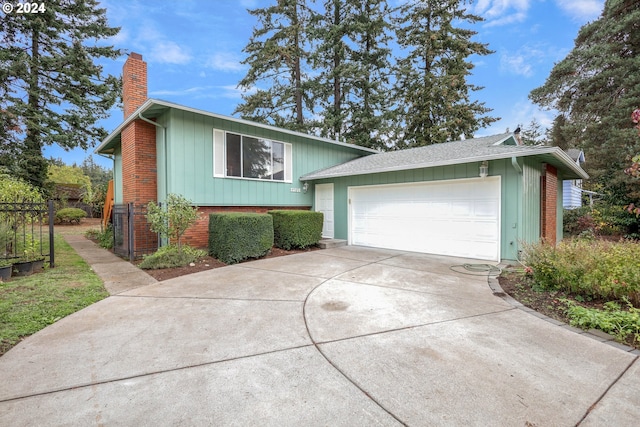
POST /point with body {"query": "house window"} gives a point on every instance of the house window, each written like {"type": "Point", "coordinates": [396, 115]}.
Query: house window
{"type": "Point", "coordinates": [255, 158]}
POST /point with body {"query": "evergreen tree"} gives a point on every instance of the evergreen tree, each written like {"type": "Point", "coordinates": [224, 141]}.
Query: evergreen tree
{"type": "Point", "coordinates": [98, 175]}
{"type": "Point", "coordinates": [353, 56]}
{"type": "Point", "coordinates": [330, 57]}
{"type": "Point", "coordinates": [54, 91]}
{"type": "Point", "coordinates": [431, 90]}
{"type": "Point", "coordinates": [594, 89]}
{"type": "Point", "coordinates": [278, 54]}
{"type": "Point", "coordinates": [369, 105]}
{"type": "Point", "coordinates": [532, 134]}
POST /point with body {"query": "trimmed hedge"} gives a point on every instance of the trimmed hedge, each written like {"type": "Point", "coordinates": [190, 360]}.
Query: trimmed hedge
{"type": "Point", "coordinates": [236, 236]}
{"type": "Point", "coordinates": [70, 215]}
{"type": "Point", "coordinates": [296, 229]}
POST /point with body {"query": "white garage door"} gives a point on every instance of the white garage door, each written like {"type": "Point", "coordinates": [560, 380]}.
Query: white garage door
{"type": "Point", "coordinates": [458, 217]}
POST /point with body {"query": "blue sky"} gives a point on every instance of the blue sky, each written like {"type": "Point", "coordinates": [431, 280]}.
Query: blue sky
{"type": "Point", "coordinates": [194, 48]}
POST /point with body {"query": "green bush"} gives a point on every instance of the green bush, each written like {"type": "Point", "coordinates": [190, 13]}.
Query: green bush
{"type": "Point", "coordinates": [591, 268]}
{"type": "Point", "coordinates": [234, 237]}
{"type": "Point", "coordinates": [70, 215]}
{"type": "Point", "coordinates": [576, 221]}
{"type": "Point", "coordinates": [296, 228]}
{"type": "Point", "coordinates": [104, 237]}
{"type": "Point", "coordinates": [172, 256]}
{"type": "Point", "coordinates": [601, 219]}
{"type": "Point", "coordinates": [613, 319]}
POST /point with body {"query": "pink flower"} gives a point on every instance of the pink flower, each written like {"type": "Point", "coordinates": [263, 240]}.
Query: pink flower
{"type": "Point", "coordinates": [635, 116]}
{"type": "Point", "coordinates": [528, 270]}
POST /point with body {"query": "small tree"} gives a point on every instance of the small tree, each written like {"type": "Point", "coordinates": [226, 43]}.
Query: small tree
{"type": "Point", "coordinates": [173, 221]}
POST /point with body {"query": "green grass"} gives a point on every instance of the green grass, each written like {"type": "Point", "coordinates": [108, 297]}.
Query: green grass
{"type": "Point", "coordinates": [28, 304]}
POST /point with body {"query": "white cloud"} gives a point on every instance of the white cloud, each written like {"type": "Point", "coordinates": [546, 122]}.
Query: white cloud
{"type": "Point", "coordinates": [516, 64]}
{"type": "Point", "coordinates": [225, 61]}
{"type": "Point", "coordinates": [521, 113]}
{"type": "Point", "coordinates": [198, 92]}
{"type": "Point", "coordinates": [502, 12]}
{"type": "Point", "coordinates": [168, 53]}
{"type": "Point", "coordinates": [525, 61]}
{"type": "Point", "coordinates": [581, 10]}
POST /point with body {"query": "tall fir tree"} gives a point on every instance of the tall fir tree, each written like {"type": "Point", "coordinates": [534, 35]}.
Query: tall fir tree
{"type": "Point", "coordinates": [330, 58]}
{"type": "Point", "coordinates": [595, 89]}
{"type": "Point", "coordinates": [431, 89]}
{"type": "Point", "coordinates": [533, 134]}
{"type": "Point", "coordinates": [353, 56]}
{"type": "Point", "coordinates": [278, 54]}
{"type": "Point", "coordinates": [54, 88]}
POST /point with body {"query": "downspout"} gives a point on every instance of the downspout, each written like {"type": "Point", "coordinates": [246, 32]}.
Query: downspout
{"type": "Point", "coordinates": [516, 165]}
{"type": "Point", "coordinates": [518, 168]}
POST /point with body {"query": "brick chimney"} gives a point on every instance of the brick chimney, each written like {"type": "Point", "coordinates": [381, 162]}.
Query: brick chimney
{"type": "Point", "coordinates": [138, 145]}
{"type": "Point", "coordinates": [134, 83]}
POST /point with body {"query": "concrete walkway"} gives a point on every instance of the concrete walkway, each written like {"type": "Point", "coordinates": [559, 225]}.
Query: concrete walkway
{"type": "Point", "coordinates": [346, 336]}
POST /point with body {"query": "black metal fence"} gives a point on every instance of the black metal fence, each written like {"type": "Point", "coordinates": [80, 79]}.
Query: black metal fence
{"type": "Point", "coordinates": [132, 237]}
{"type": "Point", "coordinates": [26, 231]}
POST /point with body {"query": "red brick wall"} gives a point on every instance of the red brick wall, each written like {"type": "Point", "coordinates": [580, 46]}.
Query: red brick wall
{"type": "Point", "coordinates": [134, 83]}
{"type": "Point", "coordinates": [198, 235]}
{"type": "Point", "coordinates": [548, 210]}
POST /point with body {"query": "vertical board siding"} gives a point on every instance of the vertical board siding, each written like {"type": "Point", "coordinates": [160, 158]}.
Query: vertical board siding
{"type": "Point", "coordinates": [190, 163]}
{"type": "Point", "coordinates": [532, 173]}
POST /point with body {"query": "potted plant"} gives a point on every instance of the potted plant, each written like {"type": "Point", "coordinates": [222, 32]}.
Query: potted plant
{"type": "Point", "coordinates": [5, 269]}
{"type": "Point", "coordinates": [23, 267]}
{"type": "Point", "coordinates": [30, 256]}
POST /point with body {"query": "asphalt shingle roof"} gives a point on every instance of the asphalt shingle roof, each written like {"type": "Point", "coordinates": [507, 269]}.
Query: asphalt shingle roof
{"type": "Point", "coordinates": [449, 153]}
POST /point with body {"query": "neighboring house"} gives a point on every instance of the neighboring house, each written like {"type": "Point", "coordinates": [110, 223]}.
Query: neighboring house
{"type": "Point", "coordinates": [429, 199]}
{"type": "Point", "coordinates": [572, 188]}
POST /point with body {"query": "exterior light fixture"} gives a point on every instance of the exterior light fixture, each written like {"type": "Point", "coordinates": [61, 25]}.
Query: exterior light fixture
{"type": "Point", "coordinates": [484, 169]}
{"type": "Point", "coordinates": [305, 187]}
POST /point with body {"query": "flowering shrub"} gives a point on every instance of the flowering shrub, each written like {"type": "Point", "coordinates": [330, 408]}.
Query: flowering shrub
{"type": "Point", "coordinates": [590, 268]}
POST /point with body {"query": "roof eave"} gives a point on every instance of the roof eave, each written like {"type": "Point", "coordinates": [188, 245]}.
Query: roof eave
{"type": "Point", "coordinates": [557, 152]}
{"type": "Point", "coordinates": [156, 102]}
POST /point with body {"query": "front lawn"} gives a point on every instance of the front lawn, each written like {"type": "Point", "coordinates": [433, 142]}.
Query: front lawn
{"type": "Point", "coordinates": [589, 284]}
{"type": "Point", "coordinates": [28, 304]}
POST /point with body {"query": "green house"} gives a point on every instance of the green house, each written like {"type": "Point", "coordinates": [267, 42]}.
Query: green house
{"type": "Point", "coordinates": [480, 198]}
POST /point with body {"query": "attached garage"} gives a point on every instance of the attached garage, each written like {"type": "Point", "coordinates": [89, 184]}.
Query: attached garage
{"type": "Point", "coordinates": [481, 198]}
{"type": "Point", "coordinates": [458, 217]}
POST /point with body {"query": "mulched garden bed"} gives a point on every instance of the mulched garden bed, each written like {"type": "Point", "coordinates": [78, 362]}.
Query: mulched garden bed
{"type": "Point", "coordinates": [549, 303]}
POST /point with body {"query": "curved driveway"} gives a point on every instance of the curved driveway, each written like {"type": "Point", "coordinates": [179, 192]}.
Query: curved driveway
{"type": "Point", "coordinates": [346, 336]}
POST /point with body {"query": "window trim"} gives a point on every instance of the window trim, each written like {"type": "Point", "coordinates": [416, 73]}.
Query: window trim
{"type": "Point", "coordinates": [220, 149]}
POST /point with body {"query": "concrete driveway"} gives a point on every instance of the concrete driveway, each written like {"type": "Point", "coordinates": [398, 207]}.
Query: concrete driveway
{"type": "Point", "coordinates": [346, 336]}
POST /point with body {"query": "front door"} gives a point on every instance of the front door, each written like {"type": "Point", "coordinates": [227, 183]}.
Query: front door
{"type": "Point", "coordinates": [324, 204]}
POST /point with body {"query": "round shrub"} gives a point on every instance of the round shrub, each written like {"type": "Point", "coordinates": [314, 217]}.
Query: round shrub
{"type": "Point", "coordinates": [70, 215]}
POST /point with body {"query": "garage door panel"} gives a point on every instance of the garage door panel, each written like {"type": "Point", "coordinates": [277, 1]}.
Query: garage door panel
{"type": "Point", "coordinates": [458, 218]}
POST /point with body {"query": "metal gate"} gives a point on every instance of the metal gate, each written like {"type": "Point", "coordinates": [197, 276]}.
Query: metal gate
{"type": "Point", "coordinates": [132, 237]}
{"type": "Point", "coordinates": [26, 230]}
